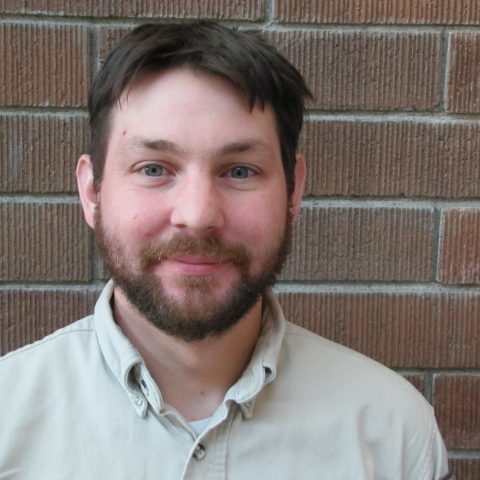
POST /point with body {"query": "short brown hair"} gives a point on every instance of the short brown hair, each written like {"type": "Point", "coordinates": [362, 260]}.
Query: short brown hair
{"type": "Point", "coordinates": [242, 57]}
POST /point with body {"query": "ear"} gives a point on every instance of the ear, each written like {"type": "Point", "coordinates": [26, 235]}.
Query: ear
{"type": "Point", "coordinates": [88, 196]}
{"type": "Point", "coordinates": [300, 176]}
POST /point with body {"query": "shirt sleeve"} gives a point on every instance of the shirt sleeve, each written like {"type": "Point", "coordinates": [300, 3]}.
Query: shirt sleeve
{"type": "Point", "coordinates": [439, 459]}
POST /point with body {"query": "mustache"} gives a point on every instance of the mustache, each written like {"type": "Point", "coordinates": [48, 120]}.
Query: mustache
{"type": "Point", "coordinates": [180, 245]}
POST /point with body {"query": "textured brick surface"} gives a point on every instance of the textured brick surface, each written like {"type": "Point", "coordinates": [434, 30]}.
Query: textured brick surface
{"type": "Point", "coordinates": [465, 468]}
{"type": "Point", "coordinates": [43, 65]}
{"type": "Point", "coordinates": [43, 242]}
{"type": "Point", "coordinates": [366, 70]}
{"type": "Point", "coordinates": [404, 330]}
{"type": "Point", "coordinates": [418, 381]}
{"type": "Point", "coordinates": [457, 409]}
{"type": "Point", "coordinates": [362, 244]}
{"type": "Point", "coordinates": [40, 153]}
{"type": "Point", "coordinates": [463, 75]}
{"type": "Point", "coordinates": [384, 158]}
{"type": "Point", "coordinates": [459, 257]}
{"type": "Point", "coordinates": [108, 37]}
{"type": "Point", "coordinates": [29, 315]}
{"type": "Point", "coordinates": [380, 11]}
{"type": "Point", "coordinates": [245, 9]}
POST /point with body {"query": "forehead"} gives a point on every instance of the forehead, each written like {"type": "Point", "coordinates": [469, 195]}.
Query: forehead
{"type": "Point", "coordinates": [190, 109]}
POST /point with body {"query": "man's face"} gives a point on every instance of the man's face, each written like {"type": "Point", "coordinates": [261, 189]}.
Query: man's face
{"type": "Point", "coordinates": [193, 218]}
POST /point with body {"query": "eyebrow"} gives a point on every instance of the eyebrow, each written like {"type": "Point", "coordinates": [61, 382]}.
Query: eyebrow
{"type": "Point", "coordinates": [159, 145]}
{"type": "Point", "coordinates": [240, 147]}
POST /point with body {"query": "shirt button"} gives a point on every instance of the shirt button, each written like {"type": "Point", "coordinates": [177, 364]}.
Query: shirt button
{"type": "Point", "coordinates": [144, 387]}
{"type": "Point", "coordinates": [138, 401]}
{"type": "Point", "coordinates": [199, 452]}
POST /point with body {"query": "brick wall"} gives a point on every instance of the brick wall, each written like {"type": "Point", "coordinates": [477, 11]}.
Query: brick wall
{"type": "Point", "coordinates": [387, 248]}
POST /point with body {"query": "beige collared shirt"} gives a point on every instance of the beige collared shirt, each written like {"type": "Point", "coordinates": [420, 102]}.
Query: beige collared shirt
{"type": "Point", "coordinates": [80, 404]}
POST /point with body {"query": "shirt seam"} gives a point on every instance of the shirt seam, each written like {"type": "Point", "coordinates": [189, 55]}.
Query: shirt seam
{"type": "Point", "coordinates": [42, 342]}
{"type": "Point", "coordinates": [430, 450]}
{"type": "Point", "coordinates": [343, 349]}
{"type": "Point", "coordinates": [347, 351]}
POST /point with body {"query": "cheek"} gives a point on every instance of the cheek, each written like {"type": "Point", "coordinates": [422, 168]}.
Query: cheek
{"type": "Point", "coordinates": [263, 222]}
{"type": "Point", "coordinates": [131, 220]}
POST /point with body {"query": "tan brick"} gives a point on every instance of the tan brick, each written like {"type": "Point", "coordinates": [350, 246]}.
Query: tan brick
{"type": "Point", "coordinates": [387, 158]}
{"type": "Point", "coordinates": [379, 11]}
{"type": "Point", "coordinates": [27, 315]}
{"type": "Point", "coordinates": [458, 410]}
{"type": "Point", "coordinates": [459, 246]}
{"type": "Point", "coordinates": [44, 242]}
{"type": "Point", "coordinates": [366, 70]}
{"type": "Point", "coordinates": [362, 244]}
{"type": "Point", "coordinates": [418, 381]}
{"type": "Point", "coordinates": [463, 75]}
{"type": "Point", "coordinates": [43, 65]}
{"type": "Point", "coordinates": [465, 468]}
{"type": "Point", "coordinates": [244, 10]}
{"type": "Point", "coordinates": [402, 330]}
{"type": "Point", "coordinates": [40, 153]}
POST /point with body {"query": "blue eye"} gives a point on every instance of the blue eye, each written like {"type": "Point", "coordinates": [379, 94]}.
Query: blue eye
{"type": "Point", "coordinates": [240, 172]}
{"type": "Point", "coordinates": [153, 170]}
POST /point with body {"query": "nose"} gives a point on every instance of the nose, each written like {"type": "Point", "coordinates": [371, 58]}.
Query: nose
{"type": "Point", "coordinates": [198, 206]}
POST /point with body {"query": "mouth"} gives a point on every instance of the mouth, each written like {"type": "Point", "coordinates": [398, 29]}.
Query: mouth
{"type": "Point", "coordinates": [194, 265]}
{"type": "Point", "coordinates": [197, 260]}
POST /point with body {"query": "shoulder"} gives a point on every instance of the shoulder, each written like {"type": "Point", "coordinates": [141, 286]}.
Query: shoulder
{"type": "Point", "coordinates": [344, 391]}
{"type": "Point", "coordinates": [351, 379]}
{"type": "Point", "coordinates": [63, 340]}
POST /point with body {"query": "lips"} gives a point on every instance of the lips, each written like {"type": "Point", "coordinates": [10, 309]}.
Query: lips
{"type": "Point", "coordinates": [193, 251]}
{"type": "Point", "coordinates": [196, 260]}
{"type": "Point", "coordinates": [193, 265]}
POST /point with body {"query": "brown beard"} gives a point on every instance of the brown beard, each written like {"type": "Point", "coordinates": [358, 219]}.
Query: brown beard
{"type": "Point", "coordinates": [207, 317]}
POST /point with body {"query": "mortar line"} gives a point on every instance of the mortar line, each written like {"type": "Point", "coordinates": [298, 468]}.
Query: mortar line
{"type": "Point", "coordinates": [444, 71]}
{"type": "Point", "coordinates": [389, 202]}
{"type": "Point", "coordinates": [270, 12]}
{"type": "Point", "coordinates": [436, 242]}
{"type": "Point", "coordinates": [365, 287]}
{"type": "Point", "coordinates": [391, 115]}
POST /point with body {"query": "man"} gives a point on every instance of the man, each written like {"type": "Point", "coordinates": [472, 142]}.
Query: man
{"type": "Point", "coordinates": [187, 369]}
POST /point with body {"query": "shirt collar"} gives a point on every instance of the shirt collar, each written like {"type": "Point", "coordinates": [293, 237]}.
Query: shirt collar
{"type": "Point", "coordinates": [120, 355]}
{"type": "Point", "coordinates": [262, 368]}
{"type": "Point", "coordinates": [126, 363]}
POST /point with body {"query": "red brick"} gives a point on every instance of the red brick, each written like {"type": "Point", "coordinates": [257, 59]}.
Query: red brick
{"type": "Point", "coordinates": [244, 10]}
{"type": "Point", "coordinates": [44, 65]}
{"type": "Point", "coordinates": [44, 242]}
{"type": "Point", "coordinates": [465, 468]}
{"type": "Point", "coordinates": [463, 75]}
{"type": "Point", "coordinates": [379, 11]}
{"type": "Point", "coordinates": [460, 246]}
{"type": "Point", "coordinates": [27, 315]}
{"type": "Point", "coordinates": [391, 158]}
{"type": "Point", "coordinates": [40, 153]}
{"type": "Point", "coordinates": [457, 409]}
{"type": "Point", "coordinates": [402, 330]}
{"type": "Point", "coordinates": [366, 70]}
{"type": "Point", "coordinates": [418, 381]}
{"type": "Point", "coordinates": [362, 244]}
{"type": "Point", "coordinates": [108, 38]}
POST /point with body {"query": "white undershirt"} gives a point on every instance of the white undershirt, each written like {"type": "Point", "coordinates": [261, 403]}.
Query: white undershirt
{"type": "Point", "coordinates": [200, 425]}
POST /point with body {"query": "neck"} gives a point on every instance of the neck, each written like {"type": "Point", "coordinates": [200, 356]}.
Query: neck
{"type": "Point", "coordinates": [192, 376]}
